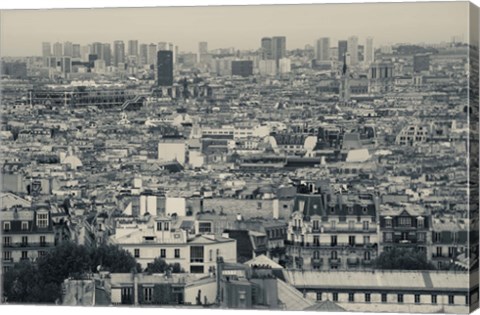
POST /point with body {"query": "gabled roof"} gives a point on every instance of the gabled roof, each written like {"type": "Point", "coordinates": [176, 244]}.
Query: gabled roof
{"type": "Point", "coordinates": [263, 260]}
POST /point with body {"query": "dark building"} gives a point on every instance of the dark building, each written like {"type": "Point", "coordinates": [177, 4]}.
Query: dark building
{"type": "Point", "coordinates": [266, 48]}
{"type": "Point", "coordinates": [279, 44]}
{"type": "Point", "coordinates": [164, 68]}
{"type": "Point", "coordinates": [342, 49]}
{"type": "Point", "coordinates": [242, 68]}
{"type": "Point", "coordinates": [421, 62]}
{"type": "Point", "coordinates": [15, 70]}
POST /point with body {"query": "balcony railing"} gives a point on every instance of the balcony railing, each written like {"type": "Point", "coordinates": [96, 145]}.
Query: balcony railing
{"type": "Point", "coordinates": [317, 261]}
{"type": "Point", "coordinates": [334, 261]}
{"type": "Point", "coordinates": [29, 244]}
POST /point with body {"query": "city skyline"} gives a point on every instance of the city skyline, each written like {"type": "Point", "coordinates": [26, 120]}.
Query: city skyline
{"type": "Point", "coordinates": [409, 24]}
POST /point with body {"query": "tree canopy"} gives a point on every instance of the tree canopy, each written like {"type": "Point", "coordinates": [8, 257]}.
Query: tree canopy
{"type": "Point", "coordinates": [403, 259]}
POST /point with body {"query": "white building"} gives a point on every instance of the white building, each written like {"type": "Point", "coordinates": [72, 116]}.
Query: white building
{"type": "Point", "coordinates": [172, 149]}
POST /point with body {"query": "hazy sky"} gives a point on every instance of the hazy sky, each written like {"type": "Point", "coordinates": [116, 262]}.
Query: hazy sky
{"type": "Point", "coordinates": [23, 31]}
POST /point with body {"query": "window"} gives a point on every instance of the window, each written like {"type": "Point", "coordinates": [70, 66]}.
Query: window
{"type": "Point", "coordinates": [316, 240]}
{"type": "Point", "coordinates": [166, 226]}
{"type": "Point", "coordinates": [319, 296]}
{"type": "Point", "coordinates": [417, 298]}
{"type": "Point", "coordinates": [196, 254]}
{"type": "Point", "coordinates": [6, 241]}
{"type": "Point", "coordinates": [434, 299]}
{"type": "Point", "coordinates": [159, 226]}
{"type": "Point", "coordinates": [163, 253]}
{"type": "Point", "coordinates": [366, 240]}
{"type": "Point", "coordinates": [210, 255]}
{"type": "Point", "coordinates": [6, 226]}
{"type": "Point", "coordinates": [24, 225]}
{"type": "Point", "coordinates": [351, 297]}
{"type": "Point", "coordinates": [400, 298]}
{"type": "Point", "coordinates": [177, 252]}
{"type": "Point", "coordinates": [451, 251]}
{"type": "Point", "coordinates": [384, 297]}
{"type": "Point", "coordinates": [218, 252]}
{"type": "Point", "coordinates": [316, 225]}
{"type": "Point", "coordinates": [421, 237]}
{"type": "Point", "coordinates": [316, 254]}
{"type": "Point", "coordinates": [367, 297]}
{"type": "Point", "coordinates": [367, 256]}
{"type": "Point", "coordinates": [24, 240]}
{"type": "Point", "coordinates": [24, 254]}
{"type": "Point", "coordinates": [388, 237]}
{"type": "Point", "coordinates": [205, 227]}
{"type": "Point", "coordinates": [405, 221]}
{"type": "Point", "coordinates": [333, 225]}
{"type": "Point", "coordinates": [388, 222]}
{"type": "Point", "coordinates": [334, 254]}
{"type": "Point", "coordinates": [333, 240]}
{"type": "Point", "coordinates": [126, 296]}
{"type": "Point", "coordinates": [420, 223]}
{"type": "Point", "coordinates": [7, 256]}
{"type": "Point", "coordinates": [42, 241]}
{"type": "Point", "coordinates": [451, 299]}
{"type": "Point", "coordinates": [351, 225]}
{"type": "Point", "coordinates": [351, 240]}
{"type": "Point", "coordinates": [366, 225]}
{"type": "Point", "coordinates": [439, 252]}
{"type": "Point", "coordinates": [136, 253]}
{"type": "Point", "coordinates": [42, 220]}
{"type": "Point", "coordinates": [335, 297]}
{"type": "Point", "coordinates": [147, 294]}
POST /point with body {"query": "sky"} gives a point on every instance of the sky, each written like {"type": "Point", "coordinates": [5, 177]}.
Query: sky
{"type": "Point", "coordinates": [23, 31]}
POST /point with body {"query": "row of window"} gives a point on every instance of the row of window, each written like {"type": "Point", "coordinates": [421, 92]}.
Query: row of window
{"type": "Point", "coordinates": [7, 255]}
{"type": "Point", "coordinates": [196, 253]}
{"type": "Point", "coordinates": [352, 240]}
{"type": "Point", "coordinates": [400, 298]}
{"type": "Point", "coordinates": [7, 241]}
{"type": "Point", "coordinates": [42, 223]}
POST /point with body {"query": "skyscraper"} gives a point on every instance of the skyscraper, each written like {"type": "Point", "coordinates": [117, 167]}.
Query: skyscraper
{"type": "Point", "coordinates": [369, 51]}
{"type": "Point", "coordinates": [202, 48]}
{"type": "Point", "coordinates": [46, 49]}
{"type": "Point", "coordinates": [164, 68]}
{"type": "Point", "coordinates": [58, 49]}
{"type": "Point", "coordinates": [143, 54]}
{"type": "Point", "coordinates": [279, 44]}
{"type": "Point", "coordinates": [152, 54]}
{"type": "Point", "coordinates": [76, 51]}
{"type": "Point", "coordinates": [266, 48]}
{"type": "Point", "coordinates": [118, 52]}
{"type": "Point", "coordinates": [68, 49]}
{"type": "Point", "coordinates": [322, 49]}
{"type": "Point", "coordinates": [133, 48]}
{"type": "Point", "coordinates": [97, 49]}
{"type": "Point", "coordinates": [352, 48]}
{"type": "Point", "coordinates": [162, 46]}
{"type": "Point", "coordinates": [107, 54]}
{"type": "Point", "coordinates": [342, 49]}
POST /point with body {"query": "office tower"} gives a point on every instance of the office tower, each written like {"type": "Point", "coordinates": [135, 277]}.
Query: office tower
{"type": "Point", "coordinates": [342, 49]}
{"type": "Point", "coordinates": [266, 52]}
{"type": "Point", "coordinates": [267, 67]}
{"type": "Point", "coordinates": [164, 68]}
{"type": "Point", "coordinates": [107, 54]}
{"type": "Point", "coordinates": [243, 68]}
{"type": "Point", "coordinates": [162, 46]}
{"type": "Point", "coordinates": [76, 51]}
{"type": "Point", "coordinates": [175, 55]}
{"type": "Point", "coordinates": [85, 51]}
{"type": "Point", "coordinates": [46, 49]}
{"type": "Point", "coordinates": [58, 49]}
{"type": "Point", "coordinates": [143, 54]}
{"type": "Point", "coordinates": [421, 62]}
{"type": "Point", "coordinates": [352, 48]}
{"type": "Point", "coordinates": [279, 44]}
{"type": "Point", "coordinates": [118, 52]}
{"type": "Point", "coordinates": [68, 49]}
{"type": "Point", "coordinates": [322, 49]}
{"type": "Point", "coordinates": [66, 65]}
{"type": "Point", "coordinates": [133, 48]}
{"type": "Point", "coordinates": [97, 49]}
{"type": "Point", "coordinates": [369, 51]}
{"type": "Point", "coordinates": [152, 54]}
{"type": "Point", "coordinates": [202, 48]}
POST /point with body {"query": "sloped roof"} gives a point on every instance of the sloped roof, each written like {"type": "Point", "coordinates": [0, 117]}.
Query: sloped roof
{"type": "Point", "coordinates": [263, 260]}
{"type": "Point", "coordinates": [291, 298]}
{"type": "Point", "coordinates": [325, 306]}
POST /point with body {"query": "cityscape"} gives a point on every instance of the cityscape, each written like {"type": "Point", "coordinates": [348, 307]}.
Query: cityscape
{"type": "Point", "coordinates": [341, 175]}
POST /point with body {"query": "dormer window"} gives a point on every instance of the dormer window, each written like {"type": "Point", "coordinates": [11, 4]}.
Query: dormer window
{"type": "Point", "coordinates": [364, 209]}
{"type": "Point", "coordinates": [42, 220]}
{"type": "Point", "coordinates": [388, 222]}
{"type": "Point", "coordinates": [159, 226]}
{"type": "Point", "coordinates": [350, 210]}
{"type": "Point", "coordinates": [24, 225]}
{"type": "Point", "coordinates": [166, 226]}
{"type": "Point", "coordinates": [420, 222]}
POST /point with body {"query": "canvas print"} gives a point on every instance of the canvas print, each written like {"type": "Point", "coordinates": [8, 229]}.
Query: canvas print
{"type": "Point", "coordinates": [317, 157]}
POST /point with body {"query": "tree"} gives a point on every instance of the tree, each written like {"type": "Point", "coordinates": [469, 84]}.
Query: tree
{"type": "Point", "coordinates": [157, 266]}
{"type": "Point", "coordinates": [113, 259]}
{"type": "Point", "coordinates": [403, 259]}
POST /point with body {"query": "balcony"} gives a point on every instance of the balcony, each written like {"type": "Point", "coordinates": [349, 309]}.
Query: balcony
{"type": "Point", "coordinates": [29, 245]}
{"type": "Point", "coordinates": [353, 261]}
{"type": "Point", "coordinates": [334, 261]}
{"type": "Point", "coordinates": [317, 262]}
